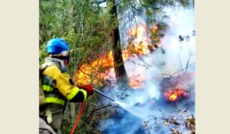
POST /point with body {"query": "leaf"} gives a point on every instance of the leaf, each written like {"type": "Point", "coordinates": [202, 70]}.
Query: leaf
{"type": "Point", "coordinates": [166, 123]}
{"type": "Point", "coordinates": [149, 13]}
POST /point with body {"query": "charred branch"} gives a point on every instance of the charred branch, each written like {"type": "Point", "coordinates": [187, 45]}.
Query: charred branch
{"type": "Point", "coordinates": [102, 107]}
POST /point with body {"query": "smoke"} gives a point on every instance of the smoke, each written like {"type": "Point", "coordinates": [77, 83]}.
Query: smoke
{"type": "Point", "coordinates": [175, 55]}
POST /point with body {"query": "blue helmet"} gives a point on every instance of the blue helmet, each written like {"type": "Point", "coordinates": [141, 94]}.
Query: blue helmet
{"type": "Point", "coordinates": [58, 46]}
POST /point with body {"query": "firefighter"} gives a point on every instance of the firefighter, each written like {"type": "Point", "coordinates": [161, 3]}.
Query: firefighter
{"type": "Point", "coordinates": [57, 85]}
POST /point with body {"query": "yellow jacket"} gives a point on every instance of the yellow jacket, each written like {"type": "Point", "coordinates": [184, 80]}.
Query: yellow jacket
{"type": "Point", "coordinates": [57, 84]}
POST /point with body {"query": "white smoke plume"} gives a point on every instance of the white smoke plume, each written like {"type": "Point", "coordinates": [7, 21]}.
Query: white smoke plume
{"type": "Point", "coordinates": [140, 105]}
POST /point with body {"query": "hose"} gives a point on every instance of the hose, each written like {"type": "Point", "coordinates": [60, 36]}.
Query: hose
{"type": "Point", "coordinates": [78, 117]}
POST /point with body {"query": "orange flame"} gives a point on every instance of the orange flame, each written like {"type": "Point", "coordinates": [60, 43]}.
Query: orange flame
{"type": "Point", "coordinates": [134, 83]}
{"type": "Point", "coordinates": [173, 95]}
{"type": "Point", "coordinates": [139, 46]}
{"type": "Point", "coordinates": [101, 67]}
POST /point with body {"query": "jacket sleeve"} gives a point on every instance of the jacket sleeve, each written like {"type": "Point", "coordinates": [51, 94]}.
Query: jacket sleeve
{"type": "Point", "coordinates": [65, 85]}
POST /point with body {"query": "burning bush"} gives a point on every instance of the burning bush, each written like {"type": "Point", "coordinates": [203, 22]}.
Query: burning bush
{"type": "Point", "coordinates": [176, 94]}
{"type": "Point", "coordinates": [177, 88]}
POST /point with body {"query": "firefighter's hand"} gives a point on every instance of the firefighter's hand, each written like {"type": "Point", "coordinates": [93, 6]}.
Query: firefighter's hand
{"type": "Point", "coordinates": [88, 88]}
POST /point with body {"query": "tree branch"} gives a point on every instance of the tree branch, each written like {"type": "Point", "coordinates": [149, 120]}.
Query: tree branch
{"type": "Point", "coordinates": [187, 63]}
{"type": "Point", "coordinates": [102, 107]}
{"type": "Point", "coordinates": [143, 4]}
{"type": "Point", "coordinates": [143, 61]}
{"type": "Point", "coordinates": [182, 69]}
{"type": "Point", "coordinates": [42, 9]}
{"type": "Point", "coordinates": [83, 72]}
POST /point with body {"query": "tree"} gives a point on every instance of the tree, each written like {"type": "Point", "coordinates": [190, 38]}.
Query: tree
{"type": "Point", "coordinates": [117, 49]}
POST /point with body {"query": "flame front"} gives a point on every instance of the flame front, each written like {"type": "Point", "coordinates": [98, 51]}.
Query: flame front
{"type": "Point", "coordinates": [101, 67]}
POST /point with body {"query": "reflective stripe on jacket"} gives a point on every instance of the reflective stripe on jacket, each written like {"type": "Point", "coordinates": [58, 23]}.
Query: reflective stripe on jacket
{"type": "Point", "coordinates": [57, 84]}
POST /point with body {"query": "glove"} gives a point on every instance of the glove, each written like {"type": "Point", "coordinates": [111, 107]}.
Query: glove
{"type": "Point", "coordinates": [88, 88]}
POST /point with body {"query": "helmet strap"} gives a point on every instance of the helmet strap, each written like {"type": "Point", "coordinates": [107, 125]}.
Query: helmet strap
{"type": "Point", "coordinates": [59, 57]}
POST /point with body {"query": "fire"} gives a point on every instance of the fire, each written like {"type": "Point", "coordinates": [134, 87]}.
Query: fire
{"type": "Point", "coordinates": [134, 83]}
{"type": "Point", "coordinates": [125, 55]}
{"type": "Point", "coordinates": [104, 65]}
{"type": "Point", "coordinates": [138, 31]}
{"type": "Point", "coordinates": [139, 46]}
{"type": "Point", "coordinates": [98, 68]}
{"type": "Point", "coordinates": [173, 95]}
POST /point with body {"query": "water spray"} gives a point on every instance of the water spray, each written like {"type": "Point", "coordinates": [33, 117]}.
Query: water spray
{"type": "Point", "coordinates": [123, 105]}
{"type": "Point", "coordinates": [103, 95]}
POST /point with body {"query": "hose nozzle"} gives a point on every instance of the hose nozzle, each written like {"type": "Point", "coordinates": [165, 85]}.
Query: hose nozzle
{"type": "Point", "coordinates": [103, 95]}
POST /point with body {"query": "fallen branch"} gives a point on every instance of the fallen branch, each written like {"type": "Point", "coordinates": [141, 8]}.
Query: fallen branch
{"type": "Point", "coordinates": [102, 107]}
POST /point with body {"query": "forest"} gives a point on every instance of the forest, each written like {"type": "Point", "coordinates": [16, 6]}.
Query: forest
{"type": "Point", "coordinates": [141, 53]}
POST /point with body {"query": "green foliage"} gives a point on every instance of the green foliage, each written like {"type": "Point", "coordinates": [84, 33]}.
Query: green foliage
{"type": "Point", "coordinates": [87, 29]}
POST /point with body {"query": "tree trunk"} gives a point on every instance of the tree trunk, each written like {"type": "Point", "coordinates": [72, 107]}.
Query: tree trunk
{"type": "Point", "coordinates": [117, 50]}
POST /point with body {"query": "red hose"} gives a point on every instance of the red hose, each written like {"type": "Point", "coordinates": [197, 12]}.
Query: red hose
{"type": "Point", "coordinates": [78, 117]}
